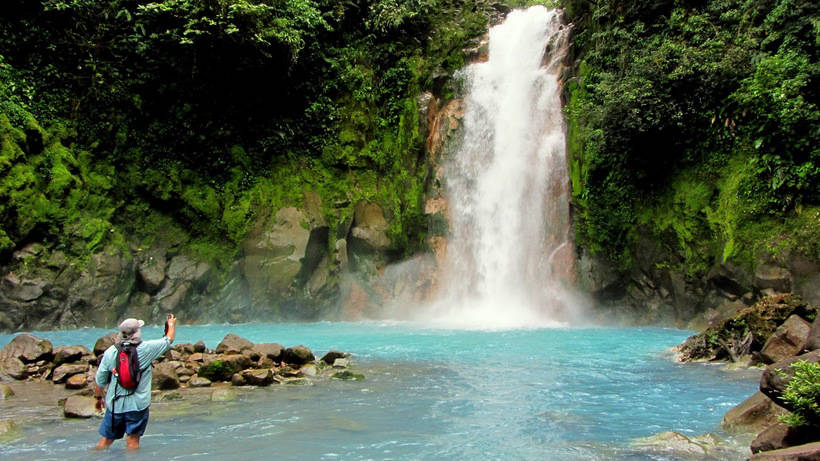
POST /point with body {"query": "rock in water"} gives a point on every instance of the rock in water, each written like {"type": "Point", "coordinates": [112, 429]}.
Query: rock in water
{"type": "Point", "coordinates": [298, 355]}
{"type": "Point", "coordinates": [13, 367]}
{"type": "Point", "coordinates": [27, 348]}
{"type": "Point", "coordinates": [752, 415]}
{"type": "Point", "coordinates": [272, 351]}
{"type": "Point", "coordinates": [79, 406]}
{"type": "Point", "coordinates": [780, 435]}
{"type": "Point", "coordinates": [258, 377]}
{"type": "Point", "coordinates": [332, 355]}
{"type": "Point", "coordinates": [233, 344]}
{"type": "Point", "coordinates": [69, 354]}
{"type": "Point", "coordinates": [198, 381]}
{"type": "Point", "coordinates": [223, 395]}
{"type": "Point", "coordinates": [807, 452]}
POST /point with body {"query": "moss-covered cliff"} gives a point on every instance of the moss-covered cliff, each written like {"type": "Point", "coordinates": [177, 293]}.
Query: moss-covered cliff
{"type": "Point", "coordinates": [694, 130]}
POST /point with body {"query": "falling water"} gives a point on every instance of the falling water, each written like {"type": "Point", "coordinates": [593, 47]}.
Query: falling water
{"type": "Point", "coordinates": [509, 253]}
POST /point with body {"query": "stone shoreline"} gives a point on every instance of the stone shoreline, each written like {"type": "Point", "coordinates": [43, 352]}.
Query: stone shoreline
{"type": "Point", "coordinates": [235, 362]}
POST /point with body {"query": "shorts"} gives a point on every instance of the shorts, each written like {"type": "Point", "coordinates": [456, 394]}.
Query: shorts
{"type": "Point", "coordinates": [114, 425]}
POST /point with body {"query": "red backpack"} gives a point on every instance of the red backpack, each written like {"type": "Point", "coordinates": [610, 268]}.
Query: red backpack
{"type": "Point", "coordinates": [127, 370]}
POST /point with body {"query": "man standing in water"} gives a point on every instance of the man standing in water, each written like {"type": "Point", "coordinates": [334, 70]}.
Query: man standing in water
{"type": "Point", "coordinates": [126, 411]}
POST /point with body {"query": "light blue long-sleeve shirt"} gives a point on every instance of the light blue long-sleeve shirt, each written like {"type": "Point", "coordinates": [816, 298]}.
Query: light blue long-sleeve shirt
{"type": "Point", "coordinates": [140, 398]}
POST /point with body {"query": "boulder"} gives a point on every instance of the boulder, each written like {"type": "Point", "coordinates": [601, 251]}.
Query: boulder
{"type": "Point", "coordinates": [298, 355]}
{"type": "Point", "coordinates": [198, 381]}
{"type": "Point", "coordinates": [66, 370]}
{"type": "Point", "coordinates": [5, 391]}
{"type": "Point", "coordinates": [14, 368]}
{"type": "Point", "coordinates": [69, 354]}
{"type": "Point", "coordinates": [78, 381]}
{"type": "Point", "coordinates": [165, 377]}
{"type": "Point", "coordinates": [788, 339]}
{"type": "Point", "coordinates": [104, 343]}
{"type": "Point", "coordinates": [200, 347]}
{"type": "Point", "coordinates": [807, 452]}
{"type": "Point", "coordinates": [238, 380]}
{"type": "Point", "coordinates": [780, 435]}
{"type": "Point", "coordinates": [258, 377]}
{"type": "Point", "coordinates": [813, 341]}
{"type": "Point", "coordinates": [341, 363]}
{"type": "Point", "coordinates": [272, 351]}
{"type": "Point", "coordinates": [236, 362]}
{"type": "Point", "coordinates": [233, 344]}
{"type": "Point", "coordinates": [776, 377]}
{"type": "Point", "coordinates": [79, 406]}
{"type": "Point", "coordinates": [27, 348]}
{"type": "Point", "coordinates": [752, 415]}
{"type": "Point", "coordinates": [251, 354]}
{"type": "Point", "coordinates": [772, 277]}
{"type": "Point", "coordinates": [332, 355]}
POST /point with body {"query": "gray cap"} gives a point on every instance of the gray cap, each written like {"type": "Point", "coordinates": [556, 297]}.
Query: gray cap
{"type": "Point", "coordinates": [130, 326]}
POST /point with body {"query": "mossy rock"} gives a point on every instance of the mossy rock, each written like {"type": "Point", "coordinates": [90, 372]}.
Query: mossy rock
{"type": "Point", "coordinates": [746, 332]}
{"type": "Point", "coordinates": [217, 371]}
{"type": "Point", "coordinates": [348, 375]}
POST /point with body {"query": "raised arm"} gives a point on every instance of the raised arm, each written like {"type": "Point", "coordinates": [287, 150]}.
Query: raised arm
{"type": "Point", "coordinates": [172, 327]}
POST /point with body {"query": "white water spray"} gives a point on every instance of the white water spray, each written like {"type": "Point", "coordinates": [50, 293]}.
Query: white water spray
{"type": "Point", "coordinates": [509, 252]}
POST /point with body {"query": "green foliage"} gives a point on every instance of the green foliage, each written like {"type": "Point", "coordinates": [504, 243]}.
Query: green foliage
{"type": "Point", "coordinates": [696, 121]}
{"type": "Point", "coordinates": [802, 394]}
{"type": "Point", "coordinates": [217, 371]}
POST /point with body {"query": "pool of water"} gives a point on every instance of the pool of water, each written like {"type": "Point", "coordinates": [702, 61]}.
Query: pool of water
{"type": "Point", "coordinates": [545, 394]}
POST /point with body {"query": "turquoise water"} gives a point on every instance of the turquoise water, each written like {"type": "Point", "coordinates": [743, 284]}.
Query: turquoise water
{"type": "Point", "coordinates": [541, 394]}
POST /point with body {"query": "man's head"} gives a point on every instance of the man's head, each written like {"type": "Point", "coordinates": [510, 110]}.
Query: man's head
{"type": "Point", "coordinates": [130, 330]}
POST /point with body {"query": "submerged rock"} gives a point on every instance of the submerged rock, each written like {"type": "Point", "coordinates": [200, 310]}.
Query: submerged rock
{"type": "Point", "coordinates": [679, 444]}
{"type": "Point", "coordinates": [5, 391]}
{"type": "Point", "coordinates": [79, 406]}
{"type": "Point", "coordinates": [223, 394]}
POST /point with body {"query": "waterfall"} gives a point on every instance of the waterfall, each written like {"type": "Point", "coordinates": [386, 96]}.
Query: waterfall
{"type": "Point", "coordinates": [509, 254]}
